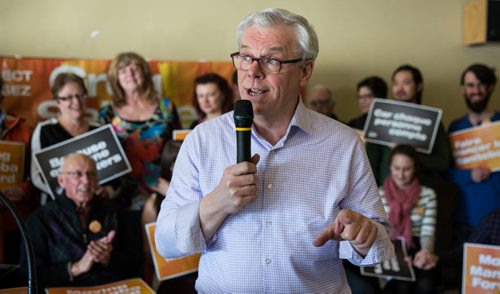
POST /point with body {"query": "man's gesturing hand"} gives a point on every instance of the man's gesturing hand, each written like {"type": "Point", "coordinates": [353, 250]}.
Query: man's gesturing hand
{"type": "Point", "coordinates": [350, 226]}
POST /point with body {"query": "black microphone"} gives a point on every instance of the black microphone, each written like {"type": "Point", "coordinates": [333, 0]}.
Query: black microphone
{"type": "Point", "coordinates": [243, 119]}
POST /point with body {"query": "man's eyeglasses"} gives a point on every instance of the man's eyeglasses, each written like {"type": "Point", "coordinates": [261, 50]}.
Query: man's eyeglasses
{"type": "Point", "coordinates": [267, 65]}
{"type": "Point", "coordinates": [475, 85]}
{"type": "Point", "coordinates": [70, 97]}
{"type": "Point", "coordinates": [78, 174]}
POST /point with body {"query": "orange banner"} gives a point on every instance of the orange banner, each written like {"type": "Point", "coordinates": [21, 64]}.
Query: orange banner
{"type": "Point", "coordinates": [481, 269]}
{"type": "Point", "coordinates": [478, 146]}
{"type": "Point", "coordinates": [170, 268]}
{"type": "Point", "coordinates": [11, 164]}
{"type": "Point", "coordinates": [131, 286]}
{"type": "Point", "coordinates": [20, 290]}
{"type": "Point", "coordinates": [27, 83]}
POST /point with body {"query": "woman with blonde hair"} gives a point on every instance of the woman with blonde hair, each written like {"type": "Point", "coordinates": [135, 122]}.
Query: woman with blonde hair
{"type": "Point", "coordinates": [143, 121]}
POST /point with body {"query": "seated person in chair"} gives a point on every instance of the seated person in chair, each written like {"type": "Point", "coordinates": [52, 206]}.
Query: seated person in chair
{"type": "Point", "coordinates": [75, 236]}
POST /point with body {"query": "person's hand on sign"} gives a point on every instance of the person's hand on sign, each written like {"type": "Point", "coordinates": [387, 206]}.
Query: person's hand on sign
{"type": "Point", "coordinates": [424, 260]}
{"type": "Point", "coordinates": [480, 174]}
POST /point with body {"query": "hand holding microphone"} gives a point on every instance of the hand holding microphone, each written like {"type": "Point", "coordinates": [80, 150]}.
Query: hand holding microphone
{"type": "Point", "coordinates": [238, 186]}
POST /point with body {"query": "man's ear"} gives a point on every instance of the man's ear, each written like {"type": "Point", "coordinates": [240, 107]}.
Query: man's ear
{"type": "Point", "coordinates": [491, 88]}
{"type": "Point", "coordinates": [462, 89]}
{"type": "Point", "coordinates": [61, 181]}
{"type": "Point", "coordinates": [307, 71]}
{"type": "Point", "coordinates": [420, 88]}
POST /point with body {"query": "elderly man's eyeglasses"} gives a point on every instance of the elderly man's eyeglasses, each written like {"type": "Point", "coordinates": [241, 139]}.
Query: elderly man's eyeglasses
{"type": "Point", "coordinates": [267, 65]}
{"type": "Point", "coordinates": [79, 174]}
{"type": "Point", "coordinates": [70, 97]}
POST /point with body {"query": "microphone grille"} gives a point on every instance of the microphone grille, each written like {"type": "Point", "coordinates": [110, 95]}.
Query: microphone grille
{"type": "Point", "coordinates": [243, 109]}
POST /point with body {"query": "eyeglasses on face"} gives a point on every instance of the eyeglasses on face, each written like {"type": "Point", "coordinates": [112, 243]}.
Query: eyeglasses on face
{"type": "Point", "coordinates": [267, 65]}
{"type": "Point", "coordinates": [70, 97]}
{"type": "Point", "coordinates": [475, 86]}
{"type": "Point", "coordinates": [365, 96]}
{"type": "Point", "coordinates": [131, 67]}
{"type": "Point", "coordinates": [79, 174]}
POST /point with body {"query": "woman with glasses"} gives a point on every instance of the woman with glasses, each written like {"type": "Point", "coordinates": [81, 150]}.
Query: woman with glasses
{"type": "Point", "coordinates": [143, 121]}
{"type": "Point", "coordinates": [212, 96]}
{"type": "Point", "coordinates": [368, 88]}
{"type": "Point", "coordinates": [69, 92]}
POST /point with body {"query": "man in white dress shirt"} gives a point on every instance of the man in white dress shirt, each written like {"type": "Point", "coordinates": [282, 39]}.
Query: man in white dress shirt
{"type": "Point", "coordinates": [266, 226]}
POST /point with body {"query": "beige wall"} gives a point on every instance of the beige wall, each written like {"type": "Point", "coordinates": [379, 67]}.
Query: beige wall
{"type": "Point", "coordinates": [357, 38]}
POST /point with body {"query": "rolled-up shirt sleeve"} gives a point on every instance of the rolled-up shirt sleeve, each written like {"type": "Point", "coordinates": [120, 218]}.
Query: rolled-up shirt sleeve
{"type": "Point", "coordinates": [382, 249]}
{"type": "Point", "coordinates": [364, 198]}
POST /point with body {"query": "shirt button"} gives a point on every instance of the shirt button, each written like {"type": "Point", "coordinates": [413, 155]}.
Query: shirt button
{"type": "Point", "coordinates": [269, 223]}
{"type": "Point", "coordinates": [269, 186]}
{"type": "Point", "coordinates": [268, 261]}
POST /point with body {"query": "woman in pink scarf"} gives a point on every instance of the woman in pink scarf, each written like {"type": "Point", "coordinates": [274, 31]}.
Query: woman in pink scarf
{"type": "Point", "coordinates": [412, 212]}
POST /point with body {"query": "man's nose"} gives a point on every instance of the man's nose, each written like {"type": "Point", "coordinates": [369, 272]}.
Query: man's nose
{"type": "Point", "coordinates": [255, 71]}
{"type": "Point", "coordinates": [476, 88]}
{"type": "Point", "coordinates": [85, 178]}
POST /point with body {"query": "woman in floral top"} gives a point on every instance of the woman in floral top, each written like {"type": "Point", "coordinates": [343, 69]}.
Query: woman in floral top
{"type": "Point", "coordinates": [143, 122]}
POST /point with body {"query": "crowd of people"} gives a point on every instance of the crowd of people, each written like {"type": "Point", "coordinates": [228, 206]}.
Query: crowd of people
{"type": "Point", "coordinates": [262, 225]}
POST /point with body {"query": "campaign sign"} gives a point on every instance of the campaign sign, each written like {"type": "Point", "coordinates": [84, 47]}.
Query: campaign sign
{"type": "Point", "coordinates": [130, 286]}
{"type": "Point", "coordinates": [481, 269]}
{"type": "Point", "coordinates": [391, 121]}
{"type": "Point", "coordinates": [395, 268]}
{"type": "Point", "coordinates": [101, 144]}
{"type": "Point", "coordinates": [11, 164]}
{"type": "Point", "coordinates": [477, 146]}
{"type": "Point", "coordinates": [180, 135]}
{"type": "Point", "coordinates": [170, 268]}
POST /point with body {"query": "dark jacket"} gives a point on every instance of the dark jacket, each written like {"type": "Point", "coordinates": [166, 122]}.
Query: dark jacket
{"type": "Point", "coordinates": [58, 239]}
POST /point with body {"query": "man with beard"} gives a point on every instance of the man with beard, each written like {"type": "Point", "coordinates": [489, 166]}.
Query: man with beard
{"type": "Point", "coordinates": [479, 187]}
{"type": "Point", "coordinates": [408, 86]}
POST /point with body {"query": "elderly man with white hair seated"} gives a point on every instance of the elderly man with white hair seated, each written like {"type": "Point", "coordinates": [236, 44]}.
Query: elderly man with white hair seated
{"type": "Point", "coordinates": [75, 236]}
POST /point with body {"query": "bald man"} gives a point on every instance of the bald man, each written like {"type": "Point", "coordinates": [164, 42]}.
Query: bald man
{"type": "Point", "coordinates": [74, 236]}
{"type": "Point", "coordinates": [320, 99]}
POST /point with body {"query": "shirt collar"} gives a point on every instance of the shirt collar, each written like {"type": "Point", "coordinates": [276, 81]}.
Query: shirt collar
{"type": "Point", "coordinates": [69, 204]}
{"type": "Point", "coordinates": [301, 118]}
{"type": "Point", "coordinates": [301, 121]}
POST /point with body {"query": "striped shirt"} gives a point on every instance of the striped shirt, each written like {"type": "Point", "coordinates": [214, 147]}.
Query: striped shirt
{"type": "Point", "coordinates": [318, 168]}
{"type": "Point", "coordinates": [423, 216]}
